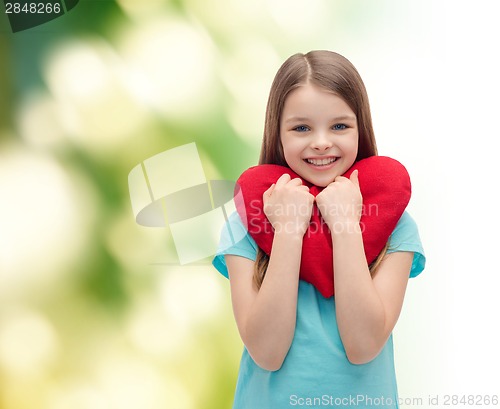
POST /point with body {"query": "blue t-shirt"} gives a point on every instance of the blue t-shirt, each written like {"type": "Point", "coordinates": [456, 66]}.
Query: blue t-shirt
{"type": "Point", "coordinates": [316, 371]}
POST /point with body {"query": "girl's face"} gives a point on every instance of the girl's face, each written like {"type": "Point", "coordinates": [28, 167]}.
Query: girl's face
{"type": "Point", "coordinates": [319, 134]}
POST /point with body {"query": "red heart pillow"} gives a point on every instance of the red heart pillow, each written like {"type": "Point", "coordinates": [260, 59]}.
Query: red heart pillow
{"type": "Point", "coordinates": [386, 189]}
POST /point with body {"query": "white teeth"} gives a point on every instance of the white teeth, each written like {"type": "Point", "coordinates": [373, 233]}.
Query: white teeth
{"type": "Point", "coordinates": [321, 162]}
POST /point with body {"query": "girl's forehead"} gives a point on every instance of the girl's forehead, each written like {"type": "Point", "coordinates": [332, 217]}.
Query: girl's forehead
{"type": "Point", "coordinates": [315, 86]}
{"type": "Point", "coordinates": [315, 100]}
{"type": "Point", "coordinates": [308, 93]}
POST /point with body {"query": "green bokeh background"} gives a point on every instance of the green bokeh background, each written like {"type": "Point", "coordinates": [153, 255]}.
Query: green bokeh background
{"type": "Point", "coordinates": [95, 310]}
{"type": "Point", "coordinates": [95, 313]}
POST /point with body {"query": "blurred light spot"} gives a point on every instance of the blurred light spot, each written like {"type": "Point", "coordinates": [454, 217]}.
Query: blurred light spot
{"type": "Point", "coordinates": [191, 294]}
{"type": "Point", "coordinates": [247, 120]}
{"type": "Point", "coordinates": [299, 18]}
{"type": "Point", "coordinates": [135, 9]}
{"type": "Point", "coordinates": [80, 71]}
{"type": "Point", "coordinates": [129, 383]}
{"type": "Point", "coordinates": [90, 87]}
{"type": "Point", "coordinates": [135, 246]}
{"type": "Point", "coordinates": [170, 65]}
{"type": "Point", "coordinates": [45, 218]}
{"type": "Point", "coordinates": [77, 395]}
{"type": "Point", "coordinates": [39, 121]}
{"type": "Point", "coordinates": [230, 17]}
{"type": "Point", "coordinates": [154, 332]}
{"type": "Point", "coordinates": [248, 74]}
{"type": "Point", "coordinates": [28, 342]}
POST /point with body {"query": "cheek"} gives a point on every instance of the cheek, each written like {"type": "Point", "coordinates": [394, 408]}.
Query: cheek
{"type": "Point", "coordinates": [350, 150]}
{"type": "Point", "coordinates": [289, 148]}
{"type": "Point", "coordinates": [290, 158]}
{"type": "Point", "coordinates": [351, 145]}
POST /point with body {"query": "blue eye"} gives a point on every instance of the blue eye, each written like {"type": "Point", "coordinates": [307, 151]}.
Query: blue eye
{"type": "Point", "coordinates": [339, 127]}
{"type": "Point", "coordinates": [301, 128]}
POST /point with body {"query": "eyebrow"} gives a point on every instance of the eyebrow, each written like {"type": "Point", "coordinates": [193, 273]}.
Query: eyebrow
{"type": "Point", "coordinates": [304, 119]}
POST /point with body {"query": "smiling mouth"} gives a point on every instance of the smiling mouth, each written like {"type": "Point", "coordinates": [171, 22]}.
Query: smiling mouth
{"type": "Point", "coordinates": [321, 162]}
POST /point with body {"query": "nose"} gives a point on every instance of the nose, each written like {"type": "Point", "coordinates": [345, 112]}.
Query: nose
{"type": "Point", "coordinates": [321, 142]}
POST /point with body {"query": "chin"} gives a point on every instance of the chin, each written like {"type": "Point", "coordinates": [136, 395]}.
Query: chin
{"type": "Point", "coordinates": [321, 183]}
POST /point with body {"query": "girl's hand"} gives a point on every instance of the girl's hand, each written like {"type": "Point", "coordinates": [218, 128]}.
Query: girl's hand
{"type": "Point", "coordinates": [341, 202]}
{"type": "Point", "coordinates": [288, 205]}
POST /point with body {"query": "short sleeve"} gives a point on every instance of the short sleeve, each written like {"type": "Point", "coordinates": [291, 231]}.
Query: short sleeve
{"type": "Point", "coordinates": [405, 237]}
{"type": "Point", "coordinates": [235, 240]}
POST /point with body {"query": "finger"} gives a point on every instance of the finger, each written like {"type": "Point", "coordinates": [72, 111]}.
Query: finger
{"type": "Point", "coordinates": [268, 192]}
{"type": "Point", "coordinates": [283, 180]}
{"type": "Point", "coordinates": [354, 178]}
{"type": "Point", "coordinates": [295, 182]}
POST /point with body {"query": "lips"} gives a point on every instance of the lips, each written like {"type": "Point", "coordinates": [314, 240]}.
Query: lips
{"type": "Point", "coordinates": [321, 161]}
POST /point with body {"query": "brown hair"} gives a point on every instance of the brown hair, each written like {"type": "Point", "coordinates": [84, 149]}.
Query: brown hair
{"type": "Point", "coordinates": [330, 71]}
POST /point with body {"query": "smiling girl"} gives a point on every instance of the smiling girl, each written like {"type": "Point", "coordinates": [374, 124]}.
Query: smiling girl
{"type": "Point", "coordinates": [299, 346]}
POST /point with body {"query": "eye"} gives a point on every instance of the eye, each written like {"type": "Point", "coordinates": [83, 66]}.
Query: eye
{"type": "Point", "coordinates": [301, 128]}
{"type": "Point", "coordinates": [339, 127]}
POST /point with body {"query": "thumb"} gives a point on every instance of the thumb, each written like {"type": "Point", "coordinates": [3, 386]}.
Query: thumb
{"type": "Point", "coordinates": [268, 192]}
{"type": "Point", "coordinates": [354, 178]}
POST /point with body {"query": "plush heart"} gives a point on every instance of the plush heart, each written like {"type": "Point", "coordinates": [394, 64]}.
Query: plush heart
{"type": "Point", "coordinates": [386, 190]}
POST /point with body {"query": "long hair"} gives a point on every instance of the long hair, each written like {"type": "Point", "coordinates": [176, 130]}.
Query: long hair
{"type": "Point", "coordinates": [330, 71]}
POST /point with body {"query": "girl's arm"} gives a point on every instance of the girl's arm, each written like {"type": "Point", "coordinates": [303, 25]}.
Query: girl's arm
{"type": "Point", "coordinates": [367, 307]}
{"type": "Point", "coordinates": [266, 317]}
